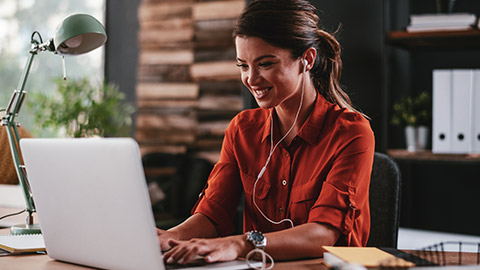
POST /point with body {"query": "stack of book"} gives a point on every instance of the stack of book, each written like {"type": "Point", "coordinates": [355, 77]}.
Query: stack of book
{"type": "Point", "coordinates": [442, 22]}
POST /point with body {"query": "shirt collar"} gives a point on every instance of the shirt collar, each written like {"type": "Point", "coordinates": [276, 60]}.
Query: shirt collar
{"type": "Point", "coordinates": [266, 128]}
{"type": "Point", "coordinates": [312, 126]}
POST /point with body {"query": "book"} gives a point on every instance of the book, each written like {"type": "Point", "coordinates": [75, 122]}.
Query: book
{"type": "Point", "coordinates": [443, 18]}
{"type": "Point", "coordinates": [366, 256]}
{"type": "Point", "coordinates": [439, 27]}
{"type": "Point", "coordinates": [22, 243]}
{"type": "Point", "coordinates": [442, 22]}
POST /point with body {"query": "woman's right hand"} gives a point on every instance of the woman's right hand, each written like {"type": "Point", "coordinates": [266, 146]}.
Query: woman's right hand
{"type": "Point", "coordinates": [164, 238]}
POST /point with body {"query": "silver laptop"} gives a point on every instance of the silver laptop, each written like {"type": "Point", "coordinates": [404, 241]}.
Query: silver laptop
{"type": "Point", "coordinates": [93, 204]}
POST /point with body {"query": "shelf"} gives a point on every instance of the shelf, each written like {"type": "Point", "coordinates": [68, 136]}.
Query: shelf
{"type": "Point", "coordinates": [465, 39]}
{"type": "Point", "coordinates": [426, 155]}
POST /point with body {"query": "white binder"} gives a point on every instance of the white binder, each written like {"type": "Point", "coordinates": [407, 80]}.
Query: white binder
{"type": "Point", "coordinates": [462, 87]}
{"type": "Point", "coordinates": [476, 113]}
{"type": "Point", "coordinates": [442, 108]}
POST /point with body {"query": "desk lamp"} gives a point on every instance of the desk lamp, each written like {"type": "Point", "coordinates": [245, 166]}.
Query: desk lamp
{"type": "Point", "coordinates": [77, 34]}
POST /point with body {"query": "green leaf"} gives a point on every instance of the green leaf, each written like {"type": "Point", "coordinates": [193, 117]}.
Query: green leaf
{"type": "Point", "coordinates": [413, 111]}
{"type": "Point", "coordinates": [82, 109]}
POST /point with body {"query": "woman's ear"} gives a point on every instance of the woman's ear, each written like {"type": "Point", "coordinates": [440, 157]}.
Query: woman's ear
{"type": "Point", "coordinates": [309, 57]}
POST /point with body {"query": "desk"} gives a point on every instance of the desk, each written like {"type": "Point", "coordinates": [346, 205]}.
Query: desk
{"type": "Point", "coordinates": [13, 220]}
{"type": "Point", "coordinates": [12, 201]}
{"type": "Point", "coordinates": [43, 262]}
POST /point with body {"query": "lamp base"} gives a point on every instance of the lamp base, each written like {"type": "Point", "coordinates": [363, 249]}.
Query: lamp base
{"type": "Point", "coordinates": [25, 229]}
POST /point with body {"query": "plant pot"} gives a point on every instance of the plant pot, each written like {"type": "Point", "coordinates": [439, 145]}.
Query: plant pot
{"type": "Point", "coordinates": [416, 138]}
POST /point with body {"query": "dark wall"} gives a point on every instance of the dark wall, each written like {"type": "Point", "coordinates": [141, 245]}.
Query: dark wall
{"type": "Point", "coordinates": [361, 37]}
{"type": "Point", "coordinates": [121, 52]}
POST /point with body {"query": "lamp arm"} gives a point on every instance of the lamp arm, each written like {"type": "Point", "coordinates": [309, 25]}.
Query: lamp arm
{"type": "Point", "coordinates": [13, 138]}
{"type": "Point", "coordinates": [26, 70]}
{"type": "Point", "coordinates": [8, 120]}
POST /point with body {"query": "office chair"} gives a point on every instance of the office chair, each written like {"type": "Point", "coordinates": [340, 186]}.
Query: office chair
{"type": "Point", "coordinates": [385, 190]}
{"type": "Point", "coordinates": [181, 177]}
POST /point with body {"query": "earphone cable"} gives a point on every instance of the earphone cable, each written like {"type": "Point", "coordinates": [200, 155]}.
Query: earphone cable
{"type": "Point", "coordinates": [272, 149]}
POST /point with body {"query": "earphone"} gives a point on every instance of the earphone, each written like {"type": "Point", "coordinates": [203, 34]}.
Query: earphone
{"type": "Point", "coordinates": [272, 149]}
{"type": "Point", "coordinates": [265, 255]}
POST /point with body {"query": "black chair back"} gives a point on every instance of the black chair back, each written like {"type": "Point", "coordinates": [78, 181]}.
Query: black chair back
{"type": "Point", "coordinates": [385, 190]}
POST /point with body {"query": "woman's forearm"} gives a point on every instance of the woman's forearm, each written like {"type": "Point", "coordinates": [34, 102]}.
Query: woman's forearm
{"type": "Point", "coordinates": [303, 241]}
{"type": "Point", "coordinates": [196, 226]}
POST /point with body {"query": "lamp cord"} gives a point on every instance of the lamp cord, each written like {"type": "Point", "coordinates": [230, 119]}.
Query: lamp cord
{"type": "Point", "coordinates": [13, 214]}
{"type": "Point", "coordinates": [32, 38]}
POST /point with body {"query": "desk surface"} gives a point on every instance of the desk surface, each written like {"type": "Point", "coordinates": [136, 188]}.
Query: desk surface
{"type": "Point", "coordinates": [13, 220]}
{"type": "Point", "coordinates": [43, 262]}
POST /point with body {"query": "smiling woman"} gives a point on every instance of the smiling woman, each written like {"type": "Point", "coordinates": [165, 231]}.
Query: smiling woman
{"type": "Point", "coordinates": [265, 68]}
{"type": "Point", "coordinates": [18, 20]}
{"type": "Point", "coordinates": [303, 159]}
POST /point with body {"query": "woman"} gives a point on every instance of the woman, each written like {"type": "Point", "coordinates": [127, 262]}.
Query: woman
{"type": "Point", "coordinates": [303, 158]}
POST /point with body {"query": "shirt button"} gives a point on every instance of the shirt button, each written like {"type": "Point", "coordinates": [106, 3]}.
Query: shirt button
{"type": "Point", "coordinates": [284, 182]}
{"type": "Point", "coordinates": [280, 209]}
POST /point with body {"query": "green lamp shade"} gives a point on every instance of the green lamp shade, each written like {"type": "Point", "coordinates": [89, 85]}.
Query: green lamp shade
{"type": "Point", "coordinates": [78, 34]}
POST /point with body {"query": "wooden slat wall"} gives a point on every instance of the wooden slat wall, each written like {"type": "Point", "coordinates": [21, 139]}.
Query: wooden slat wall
{"type": "Point", "coordinates": [188, 87]}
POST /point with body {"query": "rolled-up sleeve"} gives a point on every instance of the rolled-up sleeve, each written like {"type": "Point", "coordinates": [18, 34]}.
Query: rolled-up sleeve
{"type": "Point", "coordinates": [219, 199]}
{"type": "Point", "coordinates": [343, 200]}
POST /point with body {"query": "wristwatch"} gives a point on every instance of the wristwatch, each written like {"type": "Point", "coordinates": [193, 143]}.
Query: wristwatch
{"type": "Point", "coordinates": [257, 239]}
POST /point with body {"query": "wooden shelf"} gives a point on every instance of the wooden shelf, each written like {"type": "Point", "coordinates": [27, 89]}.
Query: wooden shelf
{"type": "Point", "coordinates": [426, 155]}
{"type": "Point", "coordinates": [465, 39]}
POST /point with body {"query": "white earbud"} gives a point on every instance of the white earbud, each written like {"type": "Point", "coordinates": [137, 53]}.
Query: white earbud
{"type": "Point", "coordinates": [305, 63]}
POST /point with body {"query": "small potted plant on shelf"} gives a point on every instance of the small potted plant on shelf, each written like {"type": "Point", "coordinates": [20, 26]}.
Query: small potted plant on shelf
{"type": "Point", "coordinates": [414, 114]}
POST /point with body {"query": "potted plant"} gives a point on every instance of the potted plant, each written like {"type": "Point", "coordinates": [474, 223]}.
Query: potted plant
{"type": "Point", "coordinates": [414, 114]}
{"type": "Point", "coordinates": [79, 109]}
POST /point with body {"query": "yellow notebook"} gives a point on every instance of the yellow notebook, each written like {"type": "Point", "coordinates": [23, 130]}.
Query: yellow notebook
{"type": "Point", "coordinates": [366, 256]}
{"type": "Point", "coordinates": [22, 243]}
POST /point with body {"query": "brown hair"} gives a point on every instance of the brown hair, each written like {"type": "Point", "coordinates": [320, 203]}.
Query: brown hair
{"type": "Point", "coordinates": [293, 25]}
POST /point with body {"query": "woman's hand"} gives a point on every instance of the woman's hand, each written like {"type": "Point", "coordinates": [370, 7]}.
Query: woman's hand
{"type": "Point", "coordinates": [196, 226]}
{"type": "Point", "coordinates": [218, 249]}
{"type": "Point", "coordinates": [164, 238]}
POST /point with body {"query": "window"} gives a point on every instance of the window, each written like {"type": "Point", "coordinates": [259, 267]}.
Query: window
{"type": "Point", "coordinates": [18, 20]}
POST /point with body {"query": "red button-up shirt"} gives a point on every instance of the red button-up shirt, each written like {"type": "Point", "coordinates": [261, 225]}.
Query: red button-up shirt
{"type": "Point", "coordinates": [322, 176]}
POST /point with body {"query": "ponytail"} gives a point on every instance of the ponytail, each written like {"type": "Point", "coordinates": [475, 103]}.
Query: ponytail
{"type": "Point", "coordinates": [327, 71]}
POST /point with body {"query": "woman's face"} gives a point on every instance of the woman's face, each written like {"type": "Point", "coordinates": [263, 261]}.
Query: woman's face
{"type": "Point", "coordinates": [270, 73]}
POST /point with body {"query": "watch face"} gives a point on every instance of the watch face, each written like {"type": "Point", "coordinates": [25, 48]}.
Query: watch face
{"type": "Point", "coordinates": [257, 237]}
